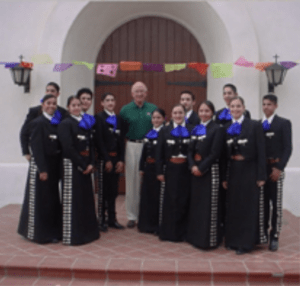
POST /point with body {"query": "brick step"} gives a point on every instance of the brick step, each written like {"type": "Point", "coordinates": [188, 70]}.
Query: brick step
{"type": "Point", "coordinates": [247, 273]}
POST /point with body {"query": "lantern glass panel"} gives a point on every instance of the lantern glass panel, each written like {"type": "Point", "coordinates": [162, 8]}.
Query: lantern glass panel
{"type": "Point", "coordinates": [26, 75]}
{"type": "Point", "coordinates": [18, 76]}
{"type": "Point", "coordinates": [277, 77]}
{"type": "Point", "coordinates": [270, 76]}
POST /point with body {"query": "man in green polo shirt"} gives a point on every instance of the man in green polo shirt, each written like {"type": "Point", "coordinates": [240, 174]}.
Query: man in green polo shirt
{"type": "Point", "coordinates": [137, 118]}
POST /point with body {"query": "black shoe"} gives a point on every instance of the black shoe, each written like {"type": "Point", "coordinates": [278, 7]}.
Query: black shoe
{"type": "Point", "coordinates": [273, 244]}
{"type": "Point", "coordinates": [116, 225]}
{"type": "Point", "coordinates": [230, 248]}
{"type": "Point", "coordinates": [240, 251]}
{"type": "Point", "coordinates": [55, 240]}
{"type": "Point", "coordinates": [131, 224]}
{"type": "Point", "coordinates": [103, 227]}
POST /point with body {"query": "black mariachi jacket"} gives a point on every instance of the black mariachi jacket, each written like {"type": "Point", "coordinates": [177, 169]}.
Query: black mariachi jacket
{"type": "Point", "coordinates": [106, 139]}
{"type": "Point", "coordinates": [149, 151]}
{"type": "Point", "coordinates": [74, 140]}
{"type": "Point", "coordinates": [209, 147]}
{"type": "Point", "coordinates": [25, 132]}
{"type": "Point", "coordinates": [250, 144]}
{"type": "Point", "coordinates": [44, 142]}
{"type": "Point", "coordinates": [223, 122]}
{"type": "Point", "coordinates": [279, 141]}
{"type": "Point", "coordinates": [193, 119]}
{"type": "Point", "coordinates": [169, 145]}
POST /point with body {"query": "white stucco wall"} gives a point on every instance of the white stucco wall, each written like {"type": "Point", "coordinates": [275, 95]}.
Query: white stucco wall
{"type": "Point", "coordinates": [76, 30]}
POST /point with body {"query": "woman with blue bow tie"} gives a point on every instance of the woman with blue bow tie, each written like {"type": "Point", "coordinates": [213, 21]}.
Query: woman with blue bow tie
{"type": "Point", "coordinates": [40, 219]}
{"type": "Point", "coordinates": [79, 216]}
{"type": "Point", "coordinates": [173, 172]}
{"type": "Point", "coordinates": [243, 175]}
{"type": "Point", "coordinates": [150, 190]}
{"type": "Point", "coordinates": [203, 157]}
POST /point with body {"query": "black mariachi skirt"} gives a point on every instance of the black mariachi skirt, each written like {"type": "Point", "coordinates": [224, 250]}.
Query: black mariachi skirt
{"type": "Point", "coordinates": [149, 203]}
{"type": "Point", "coordinates": [40, 219]}
{"type": "Point", "coordinates": [204, 220]}
{"type": "Point", "coordinates": [79, 216]}
{"type": "Point", "coordinates": [175, 195]}
{"type": "Point", "coordinates": [245, 207]}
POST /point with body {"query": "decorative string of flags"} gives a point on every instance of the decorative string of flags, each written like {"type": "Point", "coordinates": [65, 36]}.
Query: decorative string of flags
{"type": "Point", "coordinates": [218, 70]}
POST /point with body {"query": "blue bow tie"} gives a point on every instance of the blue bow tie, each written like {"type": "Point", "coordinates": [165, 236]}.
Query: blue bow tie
{"type": "Point", "coordinates": [186, 120]}
{"type": "Point", "coordinates": [56, 119]}
{"type": "Point", "coordinates": [225, 114]}
{"type": "Point", "coordinates": [234, 129]}
{"type": "Point", "coordinates": [112, 119]}
{"type": "Point", "coordinates": [87, 121]}
{"type": "Point", "coordinates": [266, 125]}
{"type": "Point", "coordinates": [152, 134]}
{"type": "Point", "coordinates": [199, 130]}
{"type": "Point", "coordinates": [180, 131]}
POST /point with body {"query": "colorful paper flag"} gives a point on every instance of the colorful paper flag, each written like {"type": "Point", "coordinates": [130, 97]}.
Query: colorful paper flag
{"type": "Point", "coordinates": [61, 67]}
{"type": "Point", "coordinates": [174, 67]}
{"type": "Point", "coordinates": [41, 59]}
{"type": "Point", "coordinates": [241, 61]}
{"type": "Point", "coordinates": [107, 69]}
{"type": "Point", "coordinates": [90, 66]}
{"type": "Point", "coordinates": [221, 70]}
{"type": "Point", "coordinates": [26, 65]}
{"type": "Point", "coordinates": [262, 66]}
{"type": "Point", "coordinates": [199, 67]}
{"type": "Point", "coordinates": [130, 66]}
{"type": "Point", "coordinates": [153, 67]}
{"type": "Point", "coordinates": [11, 65]}
{"type": "Point", "coordinates": [288, 65]}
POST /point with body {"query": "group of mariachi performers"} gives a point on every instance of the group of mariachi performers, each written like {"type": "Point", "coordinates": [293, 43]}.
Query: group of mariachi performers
{"type": "Point", "coordinates": [205, 175]}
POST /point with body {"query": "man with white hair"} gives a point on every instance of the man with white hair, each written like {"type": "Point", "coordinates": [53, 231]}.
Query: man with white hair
{"type": "Point", "coordinates": [137, 117]}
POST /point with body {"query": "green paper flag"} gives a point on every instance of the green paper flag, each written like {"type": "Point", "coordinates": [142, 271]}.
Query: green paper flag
{"type": "Point", "coordinates": [174, 67]}
{"type": "Point", "coordinates": [41, 59]}
{"type": "Point", "coordinates": [220, 70]}
{"type": "Point", "coordinates": [88, 65]}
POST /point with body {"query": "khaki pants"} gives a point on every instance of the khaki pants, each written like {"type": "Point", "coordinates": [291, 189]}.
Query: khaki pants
{"type": "Point", "coordinates": [133, 179]}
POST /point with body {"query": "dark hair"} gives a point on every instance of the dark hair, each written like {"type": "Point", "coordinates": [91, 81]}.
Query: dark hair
{"type": "Point", "coordinates": [209, 104]}
{"type": "Point", "coordinates": [71, 98]}
{"type": "Point", "coordinates": [47, 96]}
{"type": "Point", "coordinates": [176, 105]}
{"type": "Point", "coordinates": [188, 92]}
{"type": "Point", "coordinates": [271, 97]}
{"type": "Point", "coordinates": [239, 98]}
{"type": "Point", "coordinates": [54, 84]}
{"type": "Point", "coordinates": [104, 95]}
{"type": "Point", "coordinates": [84, 90]}
{"type": "Point", "coordinates": [160, 111]}
{"type": "Point", "coordinates": [233, 87]}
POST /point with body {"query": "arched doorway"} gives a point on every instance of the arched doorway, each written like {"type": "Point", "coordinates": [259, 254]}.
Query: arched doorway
{"type": "Point", "coordinates": [151, 40]}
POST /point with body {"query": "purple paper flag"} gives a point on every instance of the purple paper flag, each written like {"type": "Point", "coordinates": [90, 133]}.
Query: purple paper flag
{"type": "Point", "coordinates": [61, 67]}
{"type": "Point", "coordinates": [11, 65]}
{"type": "Point", "coordinates": [153, 67]}
{"type": "Point", "coordinates": [288, 65]}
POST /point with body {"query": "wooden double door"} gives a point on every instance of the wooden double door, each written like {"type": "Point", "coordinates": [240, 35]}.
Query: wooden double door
{"type": "Point", "coordinates": [151, 40]}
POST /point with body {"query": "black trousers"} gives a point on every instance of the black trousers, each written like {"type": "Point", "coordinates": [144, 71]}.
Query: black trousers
{"type": "Point", "coordinates": [273, 197]}
{"type": "Point", "coordinates": [108, 191]}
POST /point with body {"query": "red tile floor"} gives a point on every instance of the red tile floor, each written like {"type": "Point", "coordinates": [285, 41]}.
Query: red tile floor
{"type": "Point", "coordinates": [129, 258]}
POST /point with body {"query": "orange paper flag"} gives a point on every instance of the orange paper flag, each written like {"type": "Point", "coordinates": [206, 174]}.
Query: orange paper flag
{"type": "Point", "coordinates": [130, 66]}
{"type": "Point", "coordinates": [262, 66]}
{"type": "Point", "coordinates": [199, 67]}
{"type": "Point", "coordinates": [26, 65]}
